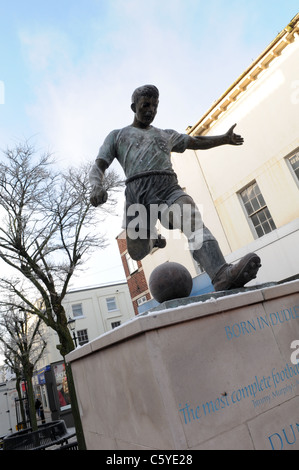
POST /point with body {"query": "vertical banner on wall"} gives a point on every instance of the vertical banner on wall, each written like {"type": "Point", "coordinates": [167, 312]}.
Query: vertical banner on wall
{"type": "Point", "coordinates": [62, 386]}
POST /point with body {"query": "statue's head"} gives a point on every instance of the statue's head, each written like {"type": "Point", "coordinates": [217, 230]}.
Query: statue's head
{"type": "Point", "coordinates": [145, 100]}
{"type": "Point", "coordinates": [145, 90]}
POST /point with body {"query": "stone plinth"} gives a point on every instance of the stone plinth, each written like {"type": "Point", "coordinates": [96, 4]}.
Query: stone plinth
{"type": "Point", "coordinates": [215, 374]}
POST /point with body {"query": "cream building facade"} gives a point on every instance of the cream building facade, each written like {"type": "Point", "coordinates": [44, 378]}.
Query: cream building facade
{"type": "Point", "coordinates": [95, 310]}
{"type": "Point", "coordinates": [249, 195]}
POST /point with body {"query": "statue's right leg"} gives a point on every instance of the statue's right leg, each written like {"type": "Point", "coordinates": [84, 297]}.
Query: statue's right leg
{"type": "Point", "coordinates": [140, 247]}
{"type": "Point", "coordinates": [141, 232]}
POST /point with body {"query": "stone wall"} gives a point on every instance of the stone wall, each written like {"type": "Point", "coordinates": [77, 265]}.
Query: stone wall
{"type": "Point", "coordinates": [212, 374]}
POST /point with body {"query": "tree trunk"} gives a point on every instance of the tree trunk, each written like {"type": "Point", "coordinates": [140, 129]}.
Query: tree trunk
{"type": "Point", "coordinates": [31, 400]}
{"type": "Point", "coordinates": [75, 408]}
{"type": "Point", "coordinates": [65, 347]}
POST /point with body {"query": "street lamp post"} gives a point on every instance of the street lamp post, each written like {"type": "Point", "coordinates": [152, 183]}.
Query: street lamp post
{"type": "Point", "coordinates": [73, 397]}
{"type": "Point", "coordinates": [71, 325]}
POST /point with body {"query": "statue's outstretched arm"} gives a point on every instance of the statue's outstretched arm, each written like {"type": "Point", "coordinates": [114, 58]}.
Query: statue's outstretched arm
{"type": "Point", "coordinates": [207, 142]}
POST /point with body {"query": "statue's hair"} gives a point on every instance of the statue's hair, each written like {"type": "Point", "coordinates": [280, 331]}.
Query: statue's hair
{"type": "Point", "coordinates": [145, 90]}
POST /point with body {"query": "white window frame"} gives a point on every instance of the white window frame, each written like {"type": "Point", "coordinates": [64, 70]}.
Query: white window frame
{"type": "Point", "coordinates": [83, 333]}
{"type": "Point", "coordinates": [141, 300]}
{"type": "Point", "coordinates": [290, 166]}
{"type": "Point", "coordinates": [112, 299]}
{"type": "Point", "coordinates": [80, 306]}
{"type": "Point", "coordinates": [262, 209]}
{"type": "Point", "coordinates": [131, 263]}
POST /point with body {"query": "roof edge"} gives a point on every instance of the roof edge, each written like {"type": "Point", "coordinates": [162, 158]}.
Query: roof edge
{"type": "Point", "coordinates": [282, 40]}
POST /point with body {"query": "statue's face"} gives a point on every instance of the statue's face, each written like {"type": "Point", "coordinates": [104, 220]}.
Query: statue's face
{"type": "Point", "coordinates": [145, 110]}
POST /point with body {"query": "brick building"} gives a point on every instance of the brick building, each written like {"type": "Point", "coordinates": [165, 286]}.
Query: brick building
{"type": "Point", "coordinates": [135, 276]}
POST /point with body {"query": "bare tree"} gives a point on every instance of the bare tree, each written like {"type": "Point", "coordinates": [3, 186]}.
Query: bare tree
{"type": "Point", "coordinates": [24, 347]}
{"type": "Point", "coordinates": [48, 229]}
{"type": "Point", "coordinates": [13, 364]}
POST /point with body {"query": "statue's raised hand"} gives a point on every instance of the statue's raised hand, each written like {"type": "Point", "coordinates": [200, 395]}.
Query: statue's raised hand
{"type": "Point", "coordinates": [232, 138]}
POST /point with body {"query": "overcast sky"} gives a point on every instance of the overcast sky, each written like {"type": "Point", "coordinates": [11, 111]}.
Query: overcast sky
{"type": "Point", "coordinates": [69, 67]}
